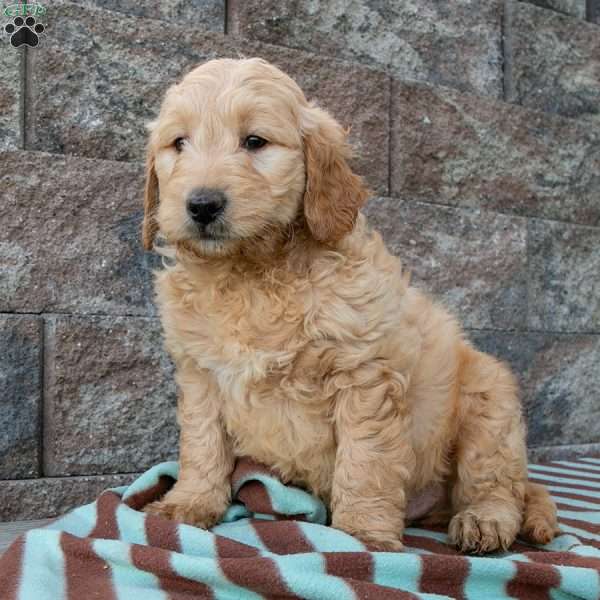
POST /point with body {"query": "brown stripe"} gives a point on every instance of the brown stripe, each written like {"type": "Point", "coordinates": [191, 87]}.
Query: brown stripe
{"type": "Point", "coordinates": [256, 498]}
{"type": "Point", "coordinates": [155, 492]}
{"type": "Point", "coordinates": [10, 568]}
{"type": "Point", "coordinates": [162, 533]}
{"type": "Point", "coordinates": [106, 518]}
{"type": "Point", "coordinates": [533, 581]}
{"type": "Point", "coordinates": [562, 506]}
{"type": "Point", "coordinates": [86, 574]}
{"type": "Point", "coordinates": [349, 565]}
{"type": "Point", "coordinates": [584, 525]}
{"type": "Point", "coordinates": [282, 537]}
{"type": "Point", "coordinates": [572, 486]}
{"type": "Point", "coordinates": [227, 548]}
{"type": "Point", "coordinates": [248, 467]}
{"type": "Point", "coordinates": [431, 545]}
{"type": "Point", "coordinates": [363, 589]}
{"type": "Point", "coordinates": [444, 575]}
{"type": "Point", "coordinates": [576, 497]}
{"type": "Point", "coordinates": [158, 562]}
{"type": "Point", "coordinates": [258, 574]}
{"type": "Point", "coordinates": [567, 559]}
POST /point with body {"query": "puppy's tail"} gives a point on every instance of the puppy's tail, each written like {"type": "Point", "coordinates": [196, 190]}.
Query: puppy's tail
{"type": "Point", "coordinates": [539, 521]}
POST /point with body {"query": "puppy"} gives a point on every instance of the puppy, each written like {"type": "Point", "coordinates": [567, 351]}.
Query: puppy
{"type": "Point", "coordinates": [297, 339]}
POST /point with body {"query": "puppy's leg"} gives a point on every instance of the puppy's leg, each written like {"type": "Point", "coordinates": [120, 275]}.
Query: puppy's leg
{"type": "Point", "coordinates": [203, 490]}
{"type": "Point", "coordinates": [491, 471]}
{"type": "Point", "coordinates": [374, 463]}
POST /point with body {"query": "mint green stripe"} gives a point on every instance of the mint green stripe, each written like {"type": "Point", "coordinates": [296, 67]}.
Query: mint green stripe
{"type": "Point", "coordinates": [328, 539]}
{"type": "Point", "coordinates": [289, 500]}
{"type": "Point", "coordinates": [132, 525]}
{"type": "Point", "coordinates": [79, 522]}
{"type": "Point", "coordinates": [150, 478]}
{"type": "Point", "coordinates": [544, 469]}
{"type": "Point", "coordinates": [587, 551]}
{"type": "Point", "coordinates": [241, 531]}
{"type": "Point", "coordinates": [196, 542]}
{"type": "Point", "coordinates": [556, 479]}
{"type": "Point", "coordinates": [578, 503]}
{"type": "Point", "coordinates": [579, 532]}
{"type": "Point", "coordinates": [580, 583]}
{"type": "Point", "coordinates": [586, 517]}
{"type": "Point", "coordinates": [128, 581]}
{"type": "Point", "coordinates": [578, 465]}
{"type": "Point", "coordinates": [398, 571]}
{"type": "Point", "coordinates": [487, 578]}
{"type": "Point", "coordinates": [305, 575]}
{"type": "Point", "coordinates": [562, 543]}
{"type": "Point", "coordinates": [43, 566]}
{"type": "Point", "coordinates": [207, 571]}
{"type": "Point", "coordinates": [570, 490]}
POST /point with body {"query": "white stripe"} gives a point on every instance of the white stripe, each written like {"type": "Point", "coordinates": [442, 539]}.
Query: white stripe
{"type": "Point", "coordinates": [537, 468]}
{"type": "Point", "coordinates": [596, 461]}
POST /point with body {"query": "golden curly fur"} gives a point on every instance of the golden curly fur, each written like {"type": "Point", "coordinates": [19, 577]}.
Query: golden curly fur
{"type": "Point", "coordinates": [298, 340]}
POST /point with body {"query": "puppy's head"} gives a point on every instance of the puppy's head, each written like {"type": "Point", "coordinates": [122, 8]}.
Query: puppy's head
{"type": "Point", "coordinates": [237, 155]}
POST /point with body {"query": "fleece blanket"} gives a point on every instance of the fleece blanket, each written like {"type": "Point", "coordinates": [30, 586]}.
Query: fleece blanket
{"type": "Point", "coordinates": [274, 543]}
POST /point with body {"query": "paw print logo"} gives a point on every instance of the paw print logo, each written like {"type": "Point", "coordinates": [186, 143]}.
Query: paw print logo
{"type": "Point", "coordinates": [24, 31]}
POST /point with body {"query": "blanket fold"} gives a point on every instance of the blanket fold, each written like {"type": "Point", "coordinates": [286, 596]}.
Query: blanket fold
{"type": "Point", "coordinates": [273, 542]}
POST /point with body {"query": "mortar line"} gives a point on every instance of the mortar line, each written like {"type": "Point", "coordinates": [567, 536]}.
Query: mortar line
{"type": "Point", "coordinates": [507, 51]}
{"type": "Point", "coordinates": [390, 130]}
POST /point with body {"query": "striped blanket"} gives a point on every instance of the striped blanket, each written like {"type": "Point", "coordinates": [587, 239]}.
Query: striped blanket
{"type": "Point", "coordinates": [273, 542]}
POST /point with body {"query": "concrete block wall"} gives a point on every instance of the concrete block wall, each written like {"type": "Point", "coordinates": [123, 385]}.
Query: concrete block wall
{"type": "Point", "coordinates": [476, 124]}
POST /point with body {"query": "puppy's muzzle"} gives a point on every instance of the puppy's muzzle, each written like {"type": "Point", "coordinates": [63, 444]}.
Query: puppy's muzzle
{"type": "Point", "coordinates": [205, 205]}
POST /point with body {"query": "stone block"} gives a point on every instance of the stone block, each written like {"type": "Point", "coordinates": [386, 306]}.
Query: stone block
{"type": "Point", "coordinates": [202, 14]}
{"type": "Point", "coordinates": [464, 150]}
{"type": "Point", "coordinates": [20, 396]}
{"type": "Point", "coordinates": [564, 277]}
{"type": "Point", "coordinates": [101, 78]}
{"type": "Point", "coordinates": [71, 236]}
{"type": "Point", "coordinates": [110, 396]}
{"type": "Point", "coordinates": [48, 497]}
{"type": "Point", "coordinates": [556, 63]}
{"type": "Point", "coordinates": [10, 92]}
{"type": "Point", "coordinates": [456, 44]}
{"type": "Point", "coordinates": [575, 8]}
{"type": "Point", "coordinates": [475, 262]}
{"type": "Point", "coordinates": [559, 379]}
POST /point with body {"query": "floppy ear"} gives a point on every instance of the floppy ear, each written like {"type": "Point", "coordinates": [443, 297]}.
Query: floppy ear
{"type": "Point", "coordinates": [333, 194]}
{"type": "Point", "coordinates": [149, 225]}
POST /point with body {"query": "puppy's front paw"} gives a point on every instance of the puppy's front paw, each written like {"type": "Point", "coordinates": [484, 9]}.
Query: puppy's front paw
{"type": "Point", "coordinates": [376, 540]}
{"type": "Point", "coordinates": [199, 509]}
{"type": "Point", "coordinates": [476, 534]}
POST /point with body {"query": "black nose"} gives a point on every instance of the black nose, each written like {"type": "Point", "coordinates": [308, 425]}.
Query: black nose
{"type": "Point", "coordinates": [205, 205]}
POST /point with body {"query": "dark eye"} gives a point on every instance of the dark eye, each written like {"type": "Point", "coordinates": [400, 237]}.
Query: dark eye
{"type": "Point", "coordinates": [253, 142]}
{"type": "Point", "coordinates": [178, 143]}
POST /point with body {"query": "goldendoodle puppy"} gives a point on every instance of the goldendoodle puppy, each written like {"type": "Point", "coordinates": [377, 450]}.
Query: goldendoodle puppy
{"type": "Point", "coordinates": [297, 339]}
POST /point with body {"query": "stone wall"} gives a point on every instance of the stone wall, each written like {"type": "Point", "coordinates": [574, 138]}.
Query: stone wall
{"type": "Point", "coordinates": [476, 123]}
